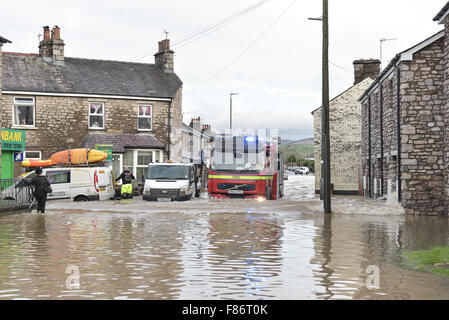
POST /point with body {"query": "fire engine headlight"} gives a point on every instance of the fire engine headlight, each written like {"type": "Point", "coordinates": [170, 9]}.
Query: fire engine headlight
{"type": "Point", "coordinates": [261, 199]}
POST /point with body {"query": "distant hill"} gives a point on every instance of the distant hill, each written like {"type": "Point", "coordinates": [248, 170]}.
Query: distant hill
{"type": "Point", "coordinates": [298, 142]}
{"type": "Point", "coordinates": [300, 148]}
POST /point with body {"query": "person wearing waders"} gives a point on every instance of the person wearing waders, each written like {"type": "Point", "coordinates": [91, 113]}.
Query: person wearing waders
{"type": "Point", "coordinates": [41, 189]}
{"type": "Point", "coordinates": [127, 187]}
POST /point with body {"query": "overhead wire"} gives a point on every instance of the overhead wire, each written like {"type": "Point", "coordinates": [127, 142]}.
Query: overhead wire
{"type": "Point", "coordinates": [245, 50]}
{"type": "Point", "coordinates": [206, 30]}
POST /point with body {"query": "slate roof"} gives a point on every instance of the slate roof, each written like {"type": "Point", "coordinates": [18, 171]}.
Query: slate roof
{"type": "Point", "coordinates": [29, 72]}
{"type": "Point", "coordinates": [442, 12]}
{"type": "Point", "coordinates": [121, 142]}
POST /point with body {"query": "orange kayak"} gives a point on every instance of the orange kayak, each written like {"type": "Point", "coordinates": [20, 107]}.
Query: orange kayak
{"type": "Point", "coordinates": [76, 156]}
{"type": "Point", "coordinates": [36, 163]}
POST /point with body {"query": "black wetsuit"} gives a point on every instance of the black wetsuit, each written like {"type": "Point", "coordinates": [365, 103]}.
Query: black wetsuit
{"type": "Point", "coordinates": [41, 188]}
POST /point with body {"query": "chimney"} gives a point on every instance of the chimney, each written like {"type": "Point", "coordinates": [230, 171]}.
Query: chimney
{"type": "Point", "coordinates": [363, 69]}
{"type": "Point", "coordinates": [51, 48]}
{"type": "Point", "coordinates": [45, 45]}
{"type": "Point", "coordinates": [57, 46]}
{"type": "Point", "coordinates": [164, 57]}
{"type": "Point", "coordinates": [195, 123]}
{"type": "Point", "coordinates": [206, 129]}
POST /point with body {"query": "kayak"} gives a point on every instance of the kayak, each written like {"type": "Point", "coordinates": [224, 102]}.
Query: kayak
{"type": "Point", "coordinates": [74, 157]}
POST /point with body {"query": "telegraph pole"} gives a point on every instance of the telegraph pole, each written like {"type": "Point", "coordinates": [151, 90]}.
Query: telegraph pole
{"type": "Point", "coordinates": [325, 137]}
{"type": "Point", "coordinates": [325, 183]}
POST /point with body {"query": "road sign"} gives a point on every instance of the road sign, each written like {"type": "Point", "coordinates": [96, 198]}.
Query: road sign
{"type": "Point", "coordinates": [105, 148]}
{"type": "Point", "coordinates": [18, 156]}
{"type": "Point", "coordinates": [13, 140]}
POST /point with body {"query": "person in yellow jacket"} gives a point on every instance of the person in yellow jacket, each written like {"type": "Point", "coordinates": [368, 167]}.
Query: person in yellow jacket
{"type": "Point", "coordinates": [127, 187]}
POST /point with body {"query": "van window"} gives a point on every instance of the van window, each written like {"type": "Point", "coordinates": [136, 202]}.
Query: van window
{"type": "Point", "coordinates": [56, 177]}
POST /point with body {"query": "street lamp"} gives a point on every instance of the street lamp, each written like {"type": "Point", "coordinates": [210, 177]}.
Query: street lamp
{"type": "Point", "coordinates": [325, 138]}
{"type": "Point", "coordinates": [230, 109]}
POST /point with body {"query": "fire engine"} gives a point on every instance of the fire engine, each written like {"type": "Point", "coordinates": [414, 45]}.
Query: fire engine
{"type": "Point", "coordinates": [248, 167]}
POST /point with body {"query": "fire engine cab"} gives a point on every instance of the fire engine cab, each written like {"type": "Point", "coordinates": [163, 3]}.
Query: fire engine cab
{"type": "Point", "coordinates": [247, 167]}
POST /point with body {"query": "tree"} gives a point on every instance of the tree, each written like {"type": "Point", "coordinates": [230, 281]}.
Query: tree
{"type": "Point", "coordinates": [292, 159]}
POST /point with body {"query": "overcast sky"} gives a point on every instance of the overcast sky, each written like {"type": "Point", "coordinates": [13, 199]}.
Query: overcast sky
{"type": "Point", "coordinates": [278, 78]}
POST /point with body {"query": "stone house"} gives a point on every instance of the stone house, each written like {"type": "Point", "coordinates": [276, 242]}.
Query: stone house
{"type": "Point", "coordinates": [63, 101]}
{"type": "Point", "coordinates": [196, 141]}
{"type": "Point", "coordinates": [2, 41]}
{"type": "Point", "coordinates": [405, 117]}
{"type": "Point", "coordinates": [345, 133]}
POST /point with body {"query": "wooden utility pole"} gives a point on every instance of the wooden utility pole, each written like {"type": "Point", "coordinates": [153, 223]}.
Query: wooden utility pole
{"type": "Point", "coordinates": [325, 137]}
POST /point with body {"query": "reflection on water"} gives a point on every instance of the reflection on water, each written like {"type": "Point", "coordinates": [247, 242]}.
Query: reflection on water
{"type": "Point", "coordinates": [246, 255]}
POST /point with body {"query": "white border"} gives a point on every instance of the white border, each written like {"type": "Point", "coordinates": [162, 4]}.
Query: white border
{"type": "Point", "coordinates": [23, 126]}
{"type": "Point", "coordinates": [96, 115]}
{"type": "Point", "coordinates": [81, 95]}
{"type": "Point", "coordinates": [145, 117]}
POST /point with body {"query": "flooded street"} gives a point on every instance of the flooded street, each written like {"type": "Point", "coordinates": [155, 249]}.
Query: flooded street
{"type": "Point", "coordinates": [218, 250]}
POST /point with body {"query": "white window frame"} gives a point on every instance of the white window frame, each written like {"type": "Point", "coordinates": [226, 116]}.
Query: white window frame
{"type": "Point", "coordinates": [135, 158]}
{"type": "Point", "coordinates": [26, 158]}
{"type": "Point", "coordinates": [97, 115]}
{"type": "Point", "coordinates": [145, 117]}
{"type": "Point", "coordinates": [23, 104]}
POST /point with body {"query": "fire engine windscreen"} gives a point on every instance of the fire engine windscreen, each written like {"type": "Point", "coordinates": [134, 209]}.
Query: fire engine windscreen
{"type": "Point", "coordinates": [160, 172]}
{"type": "Point", "coordinates": [238, 155]}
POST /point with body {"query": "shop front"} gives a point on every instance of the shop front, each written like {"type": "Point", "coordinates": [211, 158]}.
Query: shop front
{"type": "Point", "coordinates": [13, 146]}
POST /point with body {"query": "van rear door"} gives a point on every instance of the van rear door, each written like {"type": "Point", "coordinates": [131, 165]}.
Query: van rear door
{"type": "Point", "coordinates": [105, 184]}
{"type": "Point", "coordinates": [60, 183]}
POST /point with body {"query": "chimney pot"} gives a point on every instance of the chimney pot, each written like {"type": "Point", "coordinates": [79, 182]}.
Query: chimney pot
{"type": "Point", "coordinates": [56, 33]}
{"type": "Point", "coordinates": [46, 33]}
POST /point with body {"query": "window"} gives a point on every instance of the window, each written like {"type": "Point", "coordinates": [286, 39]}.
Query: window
{"type": "Point", "coordinates": [23, 114]}
{"type": "Point", "coordinates": [32, 155]}
{"type": "Point", "coordinates": [145, 117]}
{"type": "Point", "coordinates": [96, 115]}
{"type": "Point", "coordinates": [137, 162]}
{"type": "Point", "coordinates": [56, 177]}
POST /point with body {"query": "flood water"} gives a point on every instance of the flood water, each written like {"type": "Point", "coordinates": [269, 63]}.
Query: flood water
{"type": "Point", "coordinates": [214, 250]}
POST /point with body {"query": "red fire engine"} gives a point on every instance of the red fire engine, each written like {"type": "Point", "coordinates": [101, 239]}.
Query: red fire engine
{"type": "Point", "coordinates": [246, 168]}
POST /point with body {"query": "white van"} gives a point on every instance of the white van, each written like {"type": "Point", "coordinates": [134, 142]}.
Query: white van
{"type": "Point", "coordinates": [77, 183]}
{"type": "Point", "coordinates": [170, 182]}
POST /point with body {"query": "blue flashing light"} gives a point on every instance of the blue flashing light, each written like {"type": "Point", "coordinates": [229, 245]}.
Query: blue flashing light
{"type": "Point", "coordinates": [250, 139]}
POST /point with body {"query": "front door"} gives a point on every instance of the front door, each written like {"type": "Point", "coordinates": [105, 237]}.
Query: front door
{"type": "Point", "coordinates": [7, 165]}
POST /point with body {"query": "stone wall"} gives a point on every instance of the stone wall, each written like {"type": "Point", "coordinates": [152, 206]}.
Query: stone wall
{"type": "Point", "coordinates": [345, 140]}
{"type": "Point", "coordinates": [445, 110]}
{"type": "Point", "coordinates": [422, 133]}
{"type": "Point", "coordinates": [58, 118]}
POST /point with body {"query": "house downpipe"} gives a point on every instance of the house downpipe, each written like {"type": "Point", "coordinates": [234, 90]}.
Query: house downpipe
{"type": "Point", "coordinates": [381, 105]}
{"type": "Point", "coordinates": [369, 147]}
{"type": "Point", "coordinates": [398, 120]}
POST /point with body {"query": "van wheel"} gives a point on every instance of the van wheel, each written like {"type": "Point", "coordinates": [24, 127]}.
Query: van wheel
{"type": "Point", "coordinates": [80, 198]}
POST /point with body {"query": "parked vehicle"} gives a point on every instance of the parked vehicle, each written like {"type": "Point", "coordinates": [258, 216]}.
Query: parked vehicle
{"type": "Point", "coordinates": [250, 169]}
{"type": "Point", "coordinates": [75, 183]}
{"type": "Point", "coordinates": [302, 171]}
{"type": "Point", "coordinates": [171, 182]}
